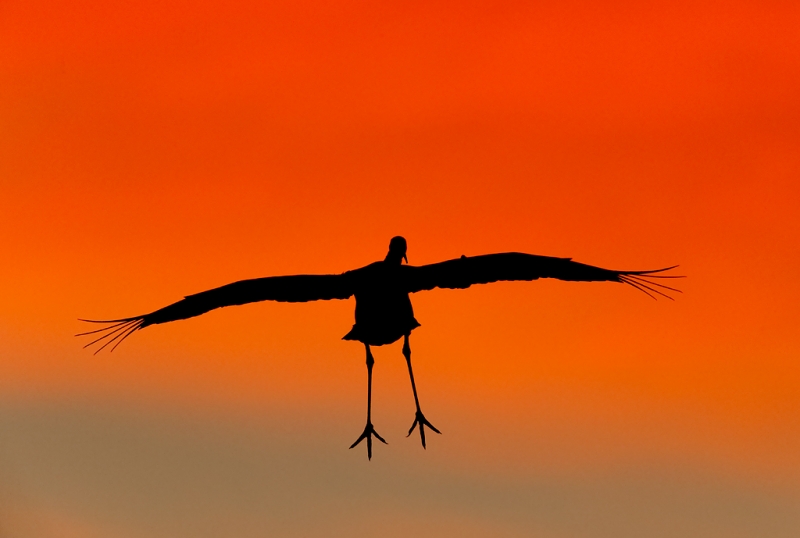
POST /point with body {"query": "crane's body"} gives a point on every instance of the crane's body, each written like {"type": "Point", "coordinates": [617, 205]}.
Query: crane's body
{"type": "Point", "coordinates": [383, 308]}
{"type": "Point", "coordinates": [383, 312]}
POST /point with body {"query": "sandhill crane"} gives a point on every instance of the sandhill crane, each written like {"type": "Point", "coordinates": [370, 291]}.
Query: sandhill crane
{"type": "Point", "coordinates": [383, 309]}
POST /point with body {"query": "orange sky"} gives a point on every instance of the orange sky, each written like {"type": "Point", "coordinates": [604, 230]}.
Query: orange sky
{"type": "Point", "coordinates": [148, 151]}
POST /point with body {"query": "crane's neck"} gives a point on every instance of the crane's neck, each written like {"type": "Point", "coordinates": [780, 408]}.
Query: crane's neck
{"type": "Point", "coordinates": [394, 258]}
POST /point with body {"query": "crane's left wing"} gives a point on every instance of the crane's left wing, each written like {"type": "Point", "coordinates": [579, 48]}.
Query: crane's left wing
{"type": "Point", "coordinates": [293, 289]}
{"type": "Point", "coordinates": [465, 271]}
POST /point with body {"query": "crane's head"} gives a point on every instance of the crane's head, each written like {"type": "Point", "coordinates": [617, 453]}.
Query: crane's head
{"type": "Point", "coordinates": [397, 250]}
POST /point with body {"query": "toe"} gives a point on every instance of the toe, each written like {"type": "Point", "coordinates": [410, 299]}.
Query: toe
{"type": "Point", "coordinates": [431, 426]}
{"type": "Point", "coordinates": [412, 429]}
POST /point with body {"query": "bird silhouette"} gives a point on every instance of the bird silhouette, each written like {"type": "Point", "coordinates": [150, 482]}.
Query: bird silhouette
{"type": "Point", "coordinates": [383, 311]}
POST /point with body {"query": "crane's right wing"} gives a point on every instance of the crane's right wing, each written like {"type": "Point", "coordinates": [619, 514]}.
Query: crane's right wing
{"type": "Point", "coordinates": [508, 266]}
{"type": "Point", "coordinates": [293, 289]}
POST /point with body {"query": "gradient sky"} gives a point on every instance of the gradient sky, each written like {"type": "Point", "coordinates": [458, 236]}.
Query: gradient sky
{"type": "Point", "coordinates": [151, 150]}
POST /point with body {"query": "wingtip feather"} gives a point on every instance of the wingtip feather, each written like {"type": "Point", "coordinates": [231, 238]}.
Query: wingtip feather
{"type": "Point", "coordinates": [118, 329]}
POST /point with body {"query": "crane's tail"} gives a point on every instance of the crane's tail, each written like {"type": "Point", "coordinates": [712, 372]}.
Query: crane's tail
{"type": "Point", "coordinates": [115, 330]}
{"type": "Point", "coordinates": [644, 282]}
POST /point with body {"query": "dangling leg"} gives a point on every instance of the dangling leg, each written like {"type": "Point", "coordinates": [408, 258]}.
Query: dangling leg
{"type": "Point", "coordinates": [369, 431]}
{"type": "Point", "coordinates": [420, 418]}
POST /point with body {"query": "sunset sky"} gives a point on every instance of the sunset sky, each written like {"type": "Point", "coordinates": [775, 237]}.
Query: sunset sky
{"type": "Point", "coordinates": [150, 150]}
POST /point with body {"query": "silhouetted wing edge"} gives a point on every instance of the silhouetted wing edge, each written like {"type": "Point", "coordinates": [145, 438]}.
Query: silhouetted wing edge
{"type": "Point", "coordinates": [293, 288]}
{"type": "Point", "coordinates": [466, 271]}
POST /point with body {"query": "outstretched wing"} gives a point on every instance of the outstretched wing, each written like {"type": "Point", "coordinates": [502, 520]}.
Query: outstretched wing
{"type": "Point", "coordinates": [293, 289]}
{"type": "Point", "coordinates": [465, 271]}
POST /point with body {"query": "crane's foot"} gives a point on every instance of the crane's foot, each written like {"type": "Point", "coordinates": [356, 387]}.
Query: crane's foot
{"type": "Point", "coordinates": [369, 431]}
{"type": "Point", "coordinates": [422, 421]}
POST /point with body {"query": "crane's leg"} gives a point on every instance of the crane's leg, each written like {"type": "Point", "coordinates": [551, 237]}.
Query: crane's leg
{"type": "Point", "coordinates": [420, 418]}
{"type": "Point", "coordinates": [369, 431]}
